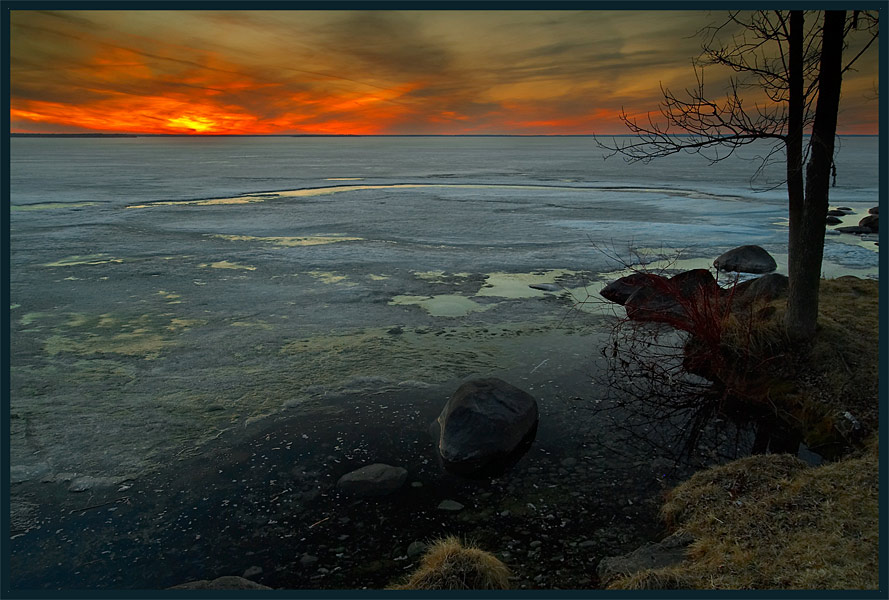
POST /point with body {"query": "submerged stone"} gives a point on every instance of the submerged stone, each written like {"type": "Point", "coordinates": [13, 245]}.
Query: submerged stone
{"type": "Point", "coordinates": [373, 480]}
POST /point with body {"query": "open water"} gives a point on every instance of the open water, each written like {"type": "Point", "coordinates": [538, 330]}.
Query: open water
{"type": "Point", "coordinates": [207, 332]}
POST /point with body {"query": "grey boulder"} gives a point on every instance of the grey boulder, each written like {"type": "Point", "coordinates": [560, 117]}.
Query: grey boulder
{"type": "Point", "coordinates": [746, 259]}
{"type": "Point", "coordinates": [484, 424]}
{"type": "Point", "coordinates": [373, 480]}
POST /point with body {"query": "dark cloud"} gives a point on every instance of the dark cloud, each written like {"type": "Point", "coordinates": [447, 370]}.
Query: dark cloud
{"type": "Point", "coordinates": [387, 43]}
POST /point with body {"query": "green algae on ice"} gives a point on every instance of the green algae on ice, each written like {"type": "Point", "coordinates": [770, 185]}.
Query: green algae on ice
{"type": "Point", "coordinates": [444, 305]}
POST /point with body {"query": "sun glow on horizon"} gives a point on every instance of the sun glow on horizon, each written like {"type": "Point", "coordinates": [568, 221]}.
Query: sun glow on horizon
{"type": "Point", "coordinates": [196, 124]}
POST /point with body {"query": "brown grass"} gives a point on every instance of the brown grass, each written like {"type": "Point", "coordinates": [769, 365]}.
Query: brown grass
{"type": "Point", "coordinates": [771, 522]}
{"type": "Point", "coordinates": [810, 386]}
{"type": "Point", "coordinates": [449, 565]}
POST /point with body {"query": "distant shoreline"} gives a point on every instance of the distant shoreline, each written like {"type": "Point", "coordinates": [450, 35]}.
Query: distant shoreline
{"type": "Point", "coordinates": [344, 135]}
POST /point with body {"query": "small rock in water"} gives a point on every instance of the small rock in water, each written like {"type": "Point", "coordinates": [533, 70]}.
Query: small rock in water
{"type": "Point", "coordinates": [252, 572]}
{"type": "Point", "coordinates": [872, 222]}
{"type": "Point", "coordinates": [546, 287]}
{"type": "Point", "coordinates": [373, 480]}
{"type": "Point", "coordinates": [569, 462]}
{"type": "Point", "coordinates": [416, 549]}
{"type": "Point", "coordinates": [450, 505]}
{"type": "Point", "coordinates": [308, 559]}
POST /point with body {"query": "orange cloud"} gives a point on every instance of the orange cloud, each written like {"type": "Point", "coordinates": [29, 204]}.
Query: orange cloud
{"type": "Point", "coordinates": [450, 72]}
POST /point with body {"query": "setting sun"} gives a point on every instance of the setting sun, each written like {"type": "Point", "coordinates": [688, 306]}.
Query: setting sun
{"type": "Point", "coordinates": [196, 124]}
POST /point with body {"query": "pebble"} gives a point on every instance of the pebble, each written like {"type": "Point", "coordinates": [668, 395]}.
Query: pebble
{"type": "Point", "coordinates": [252, 571]}
{"type": "Point", "coordinates": [450, 505]}
{"type": "Point", "coordinates": [308, 559]}
{"type": "Point", "coordinates": [536, 544]}
{"type": "Point", "coordinates": [416, 484]}
{"type": "Point", "coordinates": [416, 549]}
{"type": "Point", "coordinates": [569, 462]}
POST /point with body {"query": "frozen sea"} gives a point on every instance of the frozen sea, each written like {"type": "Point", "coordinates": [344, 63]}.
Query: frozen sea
{"type": "Point", "coordinates": [179, 306]}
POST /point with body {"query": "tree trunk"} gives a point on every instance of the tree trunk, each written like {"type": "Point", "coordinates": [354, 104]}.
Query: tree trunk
{"type": "Point", "coordinates": [808, 247]}
{"type": "Point", "coordinates": [794, 139]}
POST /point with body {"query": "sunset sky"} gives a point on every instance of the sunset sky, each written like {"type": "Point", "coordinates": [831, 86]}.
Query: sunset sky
{"type": "Point", "coordinates": [368, 72]}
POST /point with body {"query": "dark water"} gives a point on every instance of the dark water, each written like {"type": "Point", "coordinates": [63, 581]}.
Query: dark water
{"type": "Point", "coordinates": [205, 377]}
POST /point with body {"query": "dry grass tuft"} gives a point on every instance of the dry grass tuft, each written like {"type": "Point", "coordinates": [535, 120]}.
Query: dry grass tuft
{"type": "Point", "coordinates": [449, 565]}
{"type": "Point", "coordinates": [770, 522]}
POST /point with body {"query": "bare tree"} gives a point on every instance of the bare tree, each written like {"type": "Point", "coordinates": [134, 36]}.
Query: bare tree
{"type": "Point", "coordinates": [782, 67]}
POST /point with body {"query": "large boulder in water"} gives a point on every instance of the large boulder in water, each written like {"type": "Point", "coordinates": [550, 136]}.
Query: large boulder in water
{"type": "Point", "coordinates": [484, 424]}
{"type": "Point", "coordinates": [656, 305]}
{"type": "Point", "coordinates": [746, 259]}
{"type": "Point", "coordinates": [620, 290]}
{"type": "Point", "coordinates": [673, 301]}
{"type": "Point", "coordinates": [695, 284]}
{"type": "Point", "coordinates": [373, 480]}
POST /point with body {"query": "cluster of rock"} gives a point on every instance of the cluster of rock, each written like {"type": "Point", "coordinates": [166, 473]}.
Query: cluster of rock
{"type": "Point", "coordinates": [867, 226]}
{"type": "Point", "coordinates": [485, 426]}
{"type": "Point", "coordinates": [684, 298]}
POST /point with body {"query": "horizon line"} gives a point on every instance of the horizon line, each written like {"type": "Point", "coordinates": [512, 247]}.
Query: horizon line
{"type": "Point", "coordinates": [190, 135]}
